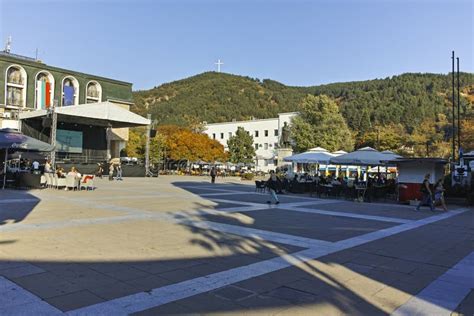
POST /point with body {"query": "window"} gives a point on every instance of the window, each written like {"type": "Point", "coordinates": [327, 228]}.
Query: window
{"type": "Point", "coordinates": [213, 135]}
{"type": "Point", "coordinates": [275, 132]}
{"type": "Point", "coordinates": [44, 90]}
{"type": "Point", "coordinates": [266, 133]}
{"type": "Point", "coordinates": [93, 92]}
{"type": "Point", "coordinates": [70, 91]}
{"type": "Point", "coordinates": [275, 145]}
{"type": "Point", "coordinates": [256, 146]}
{"type": "Point", "coordinates": [15, 86]}
{"type": "Point", "coordinates": [256, 133]}
{"type": "Point", "coordinates": [222, 135]}
{"type": "Point", "coordinates": [265, 146]}
{"type": "Point", "coordinates": [230, 134]}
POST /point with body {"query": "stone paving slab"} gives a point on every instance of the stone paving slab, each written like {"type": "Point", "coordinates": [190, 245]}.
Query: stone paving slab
{"type": "Point", "coordinates": [314, 226]}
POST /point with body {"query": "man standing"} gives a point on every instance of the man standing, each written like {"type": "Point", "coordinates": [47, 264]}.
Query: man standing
{"type": "Point", "coordinates": [36, 166]}
{"type": "Point", "coordinates": [427, 194]}
{"type": "Point", "coordinates": [213, 174]}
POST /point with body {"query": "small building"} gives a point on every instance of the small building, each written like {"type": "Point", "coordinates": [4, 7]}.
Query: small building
{"type": "Point", "coordinates": [265, 132]}
{"type": "Point", "coordinates": [411, 172]}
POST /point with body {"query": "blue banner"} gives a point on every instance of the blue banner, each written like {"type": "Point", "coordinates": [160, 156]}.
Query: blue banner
{"type": "Point", "coordinates": [68, 95]}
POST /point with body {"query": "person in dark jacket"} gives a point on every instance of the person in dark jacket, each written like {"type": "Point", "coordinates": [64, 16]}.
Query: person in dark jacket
{"type": "Point", "coordinates": [273, 183]}
{"type": "Point", "coordinates": [213, 174]}
{"type": "Point", "coordinates": [427, 194]}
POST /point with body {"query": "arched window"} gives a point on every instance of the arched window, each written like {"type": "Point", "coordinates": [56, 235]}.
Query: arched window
{"type": "Point", "coordinates": [15, 86]}
{"type": "Point", "coordinates": [70, 90]}
{"type": "Point", "coordinates": [93, 92]}
{"type": "Point", "coordinates": [44, 90]}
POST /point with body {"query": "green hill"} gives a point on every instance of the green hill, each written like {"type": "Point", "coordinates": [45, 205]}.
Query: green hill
{"type": "Point", "coordinates": [406, 99]}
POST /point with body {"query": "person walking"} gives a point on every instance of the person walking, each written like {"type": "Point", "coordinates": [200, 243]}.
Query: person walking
{"type": "Point", "coordinates": [427, 194]}
{"type": "Point", "coordinates": [213, 174]}
{"type": "Point", "coordinates": [111, 172]}
{"type": "Point", "coordinates": [439, 194]}
{"type": "Point", "coordinates": [273, 183]}
{"type": "Point", "coordinates": [119, 172]}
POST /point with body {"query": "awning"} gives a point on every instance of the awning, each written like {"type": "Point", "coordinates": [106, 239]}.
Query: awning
{"type": "Point", "coordinates": [105, 114]}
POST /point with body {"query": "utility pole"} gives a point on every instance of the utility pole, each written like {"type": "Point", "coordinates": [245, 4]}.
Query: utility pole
{"type": "Point", "coordinates": [54, 126]}
{"type": "Point", "coordinates": [459, 108]}
{"type": "Point", "coordinates": [147, 148]}
{"type": "Point", "coordinates": [453, 116]}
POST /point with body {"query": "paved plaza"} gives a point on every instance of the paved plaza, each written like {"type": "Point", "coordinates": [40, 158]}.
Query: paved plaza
{"type": "Point", "coordinates": [181, 245]}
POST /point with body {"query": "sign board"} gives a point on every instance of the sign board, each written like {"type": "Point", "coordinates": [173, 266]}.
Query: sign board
{"type": "Point", "coordinates": [68, 141]}
{"type": "Point", "coordinates": [460, 171]}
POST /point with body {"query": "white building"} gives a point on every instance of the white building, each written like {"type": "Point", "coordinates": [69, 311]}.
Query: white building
{"type": "Point", "coordinates": [265, 132]}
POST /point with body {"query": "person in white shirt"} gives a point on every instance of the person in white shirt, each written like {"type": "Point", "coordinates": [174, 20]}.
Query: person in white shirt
{"type": "Point", "coordinates": [36, 165]}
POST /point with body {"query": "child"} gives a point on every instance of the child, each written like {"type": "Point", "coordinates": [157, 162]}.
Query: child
{"type": "Point", "coordinates": [439, 194]}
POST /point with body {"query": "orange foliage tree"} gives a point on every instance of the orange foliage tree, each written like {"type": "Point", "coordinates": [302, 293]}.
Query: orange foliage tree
{"type": "Point", "coordinates": [184, 144]}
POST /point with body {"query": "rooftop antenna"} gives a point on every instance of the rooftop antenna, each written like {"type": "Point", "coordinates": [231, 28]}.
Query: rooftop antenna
{"type": "Point", "coordinates": [8, 45]}
{"type": "Point", "coordinates": [36, 54]}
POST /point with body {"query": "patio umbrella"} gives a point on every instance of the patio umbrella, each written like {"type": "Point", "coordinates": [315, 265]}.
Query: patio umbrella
{"type": "Point", "coordinates": [390, 155]}
{"type": "Point", "coordinates": [366, 156]}
{"type": "Point", "coordinates": [12, 139]}
{"type": "Point", "coordinates": [315, 155]}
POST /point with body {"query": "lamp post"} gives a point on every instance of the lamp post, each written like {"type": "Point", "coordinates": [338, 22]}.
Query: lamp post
{"type": "Point", "coordinates": [54, 126]}
{"type": "Point", "coordinates": [147, 148]}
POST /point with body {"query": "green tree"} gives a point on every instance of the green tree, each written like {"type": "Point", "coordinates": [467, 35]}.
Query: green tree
{"type": "Point", "coordinates": [320, 124]}
{"type": "Point", "coordinates": [241, 147]}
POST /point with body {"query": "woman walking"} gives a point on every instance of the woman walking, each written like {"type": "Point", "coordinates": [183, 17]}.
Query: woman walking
{"type": "Point", "coordinates": [273, 183]}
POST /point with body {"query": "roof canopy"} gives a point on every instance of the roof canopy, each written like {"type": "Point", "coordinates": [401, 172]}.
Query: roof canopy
{"type": "Point", "coordinates": [366, 156]}
{"type": "Point", "coordinates": [105, 114]}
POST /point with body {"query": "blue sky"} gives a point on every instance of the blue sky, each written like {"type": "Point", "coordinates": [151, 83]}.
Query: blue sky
{"type": "Point", "coordinates": [295, 42]}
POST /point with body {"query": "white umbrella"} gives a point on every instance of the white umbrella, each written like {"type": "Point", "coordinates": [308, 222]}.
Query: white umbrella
{"type": "Point", "coordinates": [390, 155]}
{"type": "Point", "coordinates": [339, 152]}
{"type": "Point", "coordinates": [315, 155]}
{"type": "Point", "coordinates": [366, 156]}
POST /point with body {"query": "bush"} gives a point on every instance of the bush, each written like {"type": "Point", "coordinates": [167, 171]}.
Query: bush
{"type": "Point", "coordinates": [248, 176]}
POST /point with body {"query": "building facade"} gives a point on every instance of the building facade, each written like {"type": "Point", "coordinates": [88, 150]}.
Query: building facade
{"type": "Point", "coordinates": [27, 84]}
{"type": "Point", "coordinates": [266, 135]}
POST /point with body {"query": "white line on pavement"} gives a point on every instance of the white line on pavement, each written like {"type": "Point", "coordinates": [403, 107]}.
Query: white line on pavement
{"type": "Point", "coordinates": [350, 215]}
{"type": "Point", "coordinates": [14, 300]}
{"type": "Point", "coordinates": [171, 293]}
{"type": "Point", "coordinates": [260, 234]}
{"type": "Point", "coordinates": [444, 294]}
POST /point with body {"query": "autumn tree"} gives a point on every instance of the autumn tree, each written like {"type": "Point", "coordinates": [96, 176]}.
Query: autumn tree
{"type": "Point", "coordinates": [320, 124]}
{"type": "Point", "coordinates": [241, 147]}
{"type": "Point", "coordinates": [136, 145]}
{"type": "Point", "coordinates": [185, 144]}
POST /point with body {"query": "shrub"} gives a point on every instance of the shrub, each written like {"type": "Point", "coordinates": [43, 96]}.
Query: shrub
{"type": "Point", "coordinates": [248, 176]}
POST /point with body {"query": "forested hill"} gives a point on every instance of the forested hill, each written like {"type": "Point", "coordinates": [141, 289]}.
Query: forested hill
{"type": "Point", "coordinates": [406, 99]}
{"type": "Point", "coordinates": [217, 97]}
